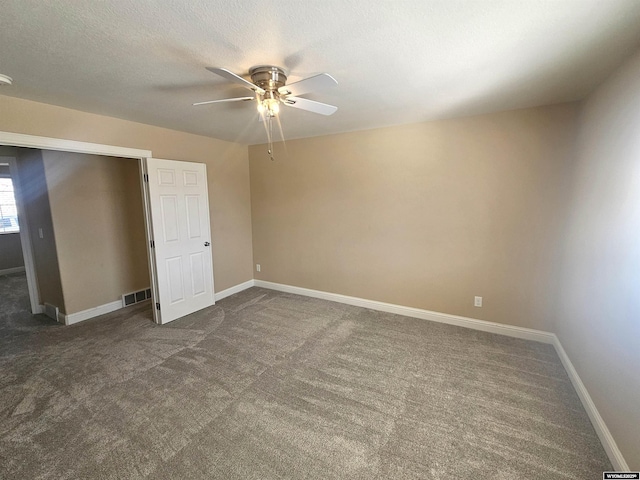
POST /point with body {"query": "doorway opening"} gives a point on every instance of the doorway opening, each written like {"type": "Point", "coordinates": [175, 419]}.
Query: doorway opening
{"type": "Point", "coordinates": [175, 212]}
{"type": "Point", "coordinates": [92, 189]}
{"type": "Point", "coordinates": [15, 310]}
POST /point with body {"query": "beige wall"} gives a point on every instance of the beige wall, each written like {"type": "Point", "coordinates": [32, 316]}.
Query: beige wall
{"type": "Point", "coordinates": [33, 186]}
{"type": "Point", "coordinates": [426, 215]}
{"type": "Point", "coordinates": [96, 207]}
{"type": "Point", "coordinates": [599, 302]}
{"type": "Point", "coordinates": [227, 169]}
{"type": "Point", "coordinates": [10, 251]}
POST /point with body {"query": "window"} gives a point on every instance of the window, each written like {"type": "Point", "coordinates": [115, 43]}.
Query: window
{"type": "Point", "coordinates": [8, 210]}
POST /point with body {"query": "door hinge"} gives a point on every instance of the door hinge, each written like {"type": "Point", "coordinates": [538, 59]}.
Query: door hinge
{"type": "Point", "coordinates": [146, 177]}
{"type": "Point", "coordinates": [153, 244]}
{"type": "Point", "coordinates": [157, 306]}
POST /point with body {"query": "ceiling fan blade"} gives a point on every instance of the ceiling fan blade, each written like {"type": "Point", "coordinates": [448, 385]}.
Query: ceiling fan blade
{"type": "Point", "coordinates": [310, 105]}
{"type": "Point", "coordinates": [223, 72]}
{"type": "Point", "coordinates": [317, 82]}
{"type": "Point", "coordinates": [238, 99]}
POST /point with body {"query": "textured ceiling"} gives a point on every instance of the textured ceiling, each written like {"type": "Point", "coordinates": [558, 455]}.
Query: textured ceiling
{"type": "Point", "coordinates": [396, 62]}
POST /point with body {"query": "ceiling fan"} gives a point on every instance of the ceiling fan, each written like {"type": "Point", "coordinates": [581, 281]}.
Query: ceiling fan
{"type": "Point", "coordinates": [269, 84]}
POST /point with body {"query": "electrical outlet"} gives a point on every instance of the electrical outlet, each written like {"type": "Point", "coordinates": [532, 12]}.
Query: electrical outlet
{"type": "Point", "coordinates": [477, 302]}
{"type": "Point", "coordinates": [257, 267]}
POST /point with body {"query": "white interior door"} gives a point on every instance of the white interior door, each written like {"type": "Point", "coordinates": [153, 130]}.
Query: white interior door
{"type": "Point", "coordinates": [180, 250]}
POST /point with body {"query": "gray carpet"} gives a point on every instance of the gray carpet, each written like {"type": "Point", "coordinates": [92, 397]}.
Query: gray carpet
{"type": "Point", "coordinates": [268, 385]}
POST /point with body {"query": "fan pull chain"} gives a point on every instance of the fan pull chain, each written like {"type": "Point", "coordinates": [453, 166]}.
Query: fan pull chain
{"type": "Point", "coordinates": [270, 137]}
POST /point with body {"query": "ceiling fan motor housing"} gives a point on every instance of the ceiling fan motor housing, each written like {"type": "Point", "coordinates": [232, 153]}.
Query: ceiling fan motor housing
{"type": "Point", "coordinates": [269, 78]}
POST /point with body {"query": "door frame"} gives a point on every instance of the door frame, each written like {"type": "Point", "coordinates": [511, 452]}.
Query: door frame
{"type": "Point", "coordinates": [10, 139]}
{"type": "Point", "coordinates": [148, 230]}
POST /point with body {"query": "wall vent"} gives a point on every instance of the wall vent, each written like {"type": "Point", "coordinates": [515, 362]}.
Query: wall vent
{"type": "Point", "coordinates": [132, 298]}
{"type": "Point", "coordinates": [51, 311]}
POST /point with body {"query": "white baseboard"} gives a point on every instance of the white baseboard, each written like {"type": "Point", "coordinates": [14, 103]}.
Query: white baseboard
{"type": "Point", "coordinates": [609, 444]}
{"type": "Point", "coordinates": [485, 326]}
{"type": "Point", "coordinates": [72, 318]}
{"type": "Point", "coordinates": [7, 271]}
{"type": "Point", "coordinates": [235, 289]}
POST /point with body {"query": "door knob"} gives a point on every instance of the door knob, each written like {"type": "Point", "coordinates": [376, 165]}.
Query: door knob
{"type": "Point", "coordinates": [206, 244]}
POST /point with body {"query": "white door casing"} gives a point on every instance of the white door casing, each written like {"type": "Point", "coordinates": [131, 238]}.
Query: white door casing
{"type": "Point", "coordinates": [181, 235]}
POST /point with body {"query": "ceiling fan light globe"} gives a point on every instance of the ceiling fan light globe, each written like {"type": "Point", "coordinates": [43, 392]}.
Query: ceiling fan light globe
{"type": "Point", "coordinates": [271, 106]}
